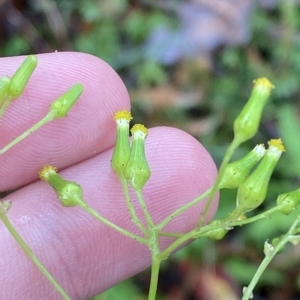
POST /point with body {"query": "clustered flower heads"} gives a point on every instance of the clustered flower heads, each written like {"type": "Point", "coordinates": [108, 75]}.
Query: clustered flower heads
{"type": "Point", "coordinates": [252, 191]}
{"type": "Point", "coordinates": [236, 172]}
{"type": "Point", "coordinates": [12, 87]}
{"type": "Point", "coordinates": [130, 163]}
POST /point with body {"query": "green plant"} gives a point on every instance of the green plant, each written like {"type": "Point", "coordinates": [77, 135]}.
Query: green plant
{"type": "Point", "coordinates": [131, 167]}
{"type": "Point", "coordinates": [11, 89]}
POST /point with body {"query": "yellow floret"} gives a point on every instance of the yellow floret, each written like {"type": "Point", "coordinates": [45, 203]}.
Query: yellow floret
{"type": "Point", "coordinates": [264, 82]}
{"type": "Point", "coordinates": [123, 115]}
{"type": "Point", "coordinates": [277, 143]}
{"type": "Point", "coordinates": [46, 171]}
{"type": "Point", "coordinates": [139, 128]}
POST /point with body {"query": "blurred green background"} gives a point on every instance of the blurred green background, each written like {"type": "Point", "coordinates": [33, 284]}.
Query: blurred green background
{"type": "Point", "coordinates": [190, 64]}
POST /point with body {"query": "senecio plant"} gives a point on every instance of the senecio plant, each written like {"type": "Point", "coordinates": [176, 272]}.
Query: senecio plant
{"type": "Point", "coordinates": [250, 175]}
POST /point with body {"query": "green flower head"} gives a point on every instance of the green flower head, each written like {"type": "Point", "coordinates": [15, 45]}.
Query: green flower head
{"type": "Point", "coordinates": [137, 169]}
{"type": "Point", "coordinates": [122, 147]}
{"type": "Point", "coordinates": [246, 124]}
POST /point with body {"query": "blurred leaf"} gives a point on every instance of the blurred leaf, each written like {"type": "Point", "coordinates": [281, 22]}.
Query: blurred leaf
{"type": "Point", "coordinates": [102, 41]}
{"type": "Point", "coordinates": [90, 11]}
{"type": "Point", "coordinates": [150, 73]}
{"type": "Point", "coordinates": [236, 267]}
{"type": "Point", "coordinates": [262, 230]}
{"type": "Point", "coordinates": [16, 45]}
{"type": "Point", "coordinates": [289, 128]}
{"type": "Point", "coordinates": [123, 290]}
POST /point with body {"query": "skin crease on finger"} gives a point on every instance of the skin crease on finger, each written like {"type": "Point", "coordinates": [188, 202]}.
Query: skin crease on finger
{"type": "Point", "coordinates": [85, 256]}
{"type": "Point", "coordinates": [66, 141]}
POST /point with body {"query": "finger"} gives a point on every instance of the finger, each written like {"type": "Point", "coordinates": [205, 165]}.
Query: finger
{"type": "Point", "coordinates": [85, 256]}
{"type": "Point", "coordinates": [88, 129]}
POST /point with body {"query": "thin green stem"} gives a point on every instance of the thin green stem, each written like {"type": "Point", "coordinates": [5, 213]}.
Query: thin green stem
{"type": "Point", "coordinates": [40, 123]}
{"type": "Point", "coordinates": [145, 210]}
{"type": "Point", "coordinates": [156, 259]}
{"type": "Point", "coordinates": [171, 248]}
{"type": "Point", "coordinates": [171, 234]}
{"type": "Point", "coordinates": [180, 210]}
{"type": "Point", "coordinates": [100, 218]}
{"type": "Point", "coordinates": [33, 258]}
{"type": "Point", "coordinates": [218, 224]}
{"type": "Point", "coordinates": [4, 104]}
{"type": "Point", "coordinates": [131, 209]}
{"type": "Point", "coordinates": [215, 187]}
{"type": "Point", "coordinates": [288, 237]}
{"type": "Point", "coordinates": [155, 266]}
{"type": "Point", "coordinates": [258, 217]}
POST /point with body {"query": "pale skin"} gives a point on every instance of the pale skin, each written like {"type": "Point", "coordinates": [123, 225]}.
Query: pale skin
{"type": "Point", "coordinates": [83, 255]}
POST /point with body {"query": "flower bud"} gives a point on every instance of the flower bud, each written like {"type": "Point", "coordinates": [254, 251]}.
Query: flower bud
{"type": "Point", "coordinates": [236, 172]}
{"type": "Point", "coordinates": [288, 202]}
{"type": "Point", "coordinates": [137, 169]}
{"type": "Point", "coordinates": [252, 192]}
{"type": "Point", "coordinates": [246, 124]}
{"type": "Point", "coordinates": [69, 193]}
{"type": "Point", "coordinates": [20, 78]}
{"type": "Point", "coordinates": [122, 147]}
{"type": "Point", "coordinates": [60, 107]}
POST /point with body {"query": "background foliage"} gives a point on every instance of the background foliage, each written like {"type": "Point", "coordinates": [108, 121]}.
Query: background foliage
{"type": "Point", "coordinates": [190, 64]}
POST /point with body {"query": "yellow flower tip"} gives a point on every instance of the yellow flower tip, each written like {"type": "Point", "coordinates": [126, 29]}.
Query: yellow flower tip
{"type": "Point", "coordinates": [264, 82]}
{"type": "Point", "coordinates": [123, 116]}
{"type": "Point", "coordinates": [139, 130]}
{"type": "Point", "coordinates": [277, 143]}
{"type": "Point", "coordinates": [46, 171]}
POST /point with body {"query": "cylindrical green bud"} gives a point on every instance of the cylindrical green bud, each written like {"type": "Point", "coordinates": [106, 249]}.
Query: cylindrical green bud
{"type": "Point", "coordinates": [4, 86]}
{"type": "Point", "coordinates": [69, 193]}
{"type": "Point", "coordinates": [236, 172]}
{"type": "Point", "coordinates": [288, 202]}
{"type": "Point", "coordinates": [60, 107]}
{"type": "Point", "coordinates": [252, 192]}
{"type": "Point", "coordinates": [246, 124]}
{"type": "Point", "coordinates": [137, 170]}
{"type": "Point", "coordinates": [20, 78]}
{"type": "Point", "coordinates": [122, 147]}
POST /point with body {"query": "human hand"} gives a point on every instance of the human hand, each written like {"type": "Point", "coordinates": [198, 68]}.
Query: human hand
{"type": "Point", "coordinates": [83, 255]}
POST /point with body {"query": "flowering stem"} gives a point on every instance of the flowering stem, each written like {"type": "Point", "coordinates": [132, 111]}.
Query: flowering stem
{"type": "Point", "coordinates": [156, 259]}
{"type": "Point", "coordinates": [263, 215]}
{"type": "Point", "coordinates": [180, 210]}
{"type": "Point", "coordinates": [33, 258]}
{"type": "Point", "coordinates": [145, 210]}
{"type": "Point", "coordinates": [100, 218]}
{"type": "Point", "coordinates": [131, 209]}
{"type": "Point", "coordinates": [171, 234]}
{"type": "Point", "coordinates": [154, 277]}
{"type": "Point", "coordinates": [288, 237]}
{"type": "Point", "coordinates": [4, 104]}
{"type": "Point", "coordinates": [224, 223]}
{"type": "Point", "coordinates": [234, 144]}
{"type": "Point", "coordinates": [40, 123]}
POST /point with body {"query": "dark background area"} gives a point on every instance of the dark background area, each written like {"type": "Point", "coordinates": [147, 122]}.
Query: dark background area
{"type": "Point", "coordinates": [190, 64]}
